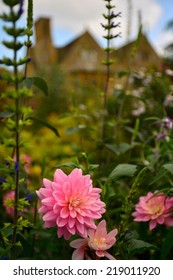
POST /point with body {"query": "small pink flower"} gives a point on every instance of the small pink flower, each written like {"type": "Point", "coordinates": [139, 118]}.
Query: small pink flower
{"type": "Point", "coordinates": [71, 203]}
{"type": "Point", "coordinates": [98, 241]}
{"type": "Point", "coordinates": [8, 203]}
{"type": "Point", "coordinates": [155, 208]}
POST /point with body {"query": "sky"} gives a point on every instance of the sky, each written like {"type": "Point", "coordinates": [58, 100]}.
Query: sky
{"type": "Point", "coordinates": [70, 18]}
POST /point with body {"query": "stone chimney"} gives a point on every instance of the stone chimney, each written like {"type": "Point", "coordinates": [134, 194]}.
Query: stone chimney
{"type": "Point", "coordinates": [44, 51]}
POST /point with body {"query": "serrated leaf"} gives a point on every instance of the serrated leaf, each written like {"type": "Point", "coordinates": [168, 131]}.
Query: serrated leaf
{"type": "Point", "coordinates": [136, 246]}
{"type": "Point", "coordinates": [36, 81]}
{"type": "Point", "coordinates": [4, 115]}
{"type": "Point", "coordinates": [122, 170]}
{"type": "Point", "coordinates": [46, 124]}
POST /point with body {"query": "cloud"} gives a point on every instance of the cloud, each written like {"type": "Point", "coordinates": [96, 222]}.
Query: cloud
{"type": "Point", "coordinates": [76, 16]}
{"type": "Point", "coordinates": [162, 40]}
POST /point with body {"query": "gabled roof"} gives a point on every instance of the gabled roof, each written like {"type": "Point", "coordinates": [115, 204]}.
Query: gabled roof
{"type": "Point", "coordinates": [143, 53]}
{"type": "Point", "coordinates": [83, 53]}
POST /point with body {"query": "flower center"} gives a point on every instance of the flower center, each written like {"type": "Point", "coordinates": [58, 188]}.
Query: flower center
{"type": "Point", "coordinates": [99, 241]}
{"type": "Point", "coordinates": [155, 208]}
{"type": "Point", "coordinates": [74, 203]}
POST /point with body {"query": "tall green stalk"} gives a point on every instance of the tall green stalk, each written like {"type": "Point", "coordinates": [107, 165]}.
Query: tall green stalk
{"type": "Point", "coordinates": [16, 119]}
{"type": "Point", "coordinates": [109, 27]}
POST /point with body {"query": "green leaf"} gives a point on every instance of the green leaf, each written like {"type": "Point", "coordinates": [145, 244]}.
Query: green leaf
{"type": "Point", "coordinates": [11, 3]}
{"type": "Point", "coordinates": [46, 124]}
{"type": "Point", "coordinates": [122, 73]}
{"type": "Point", "coordinates": [7, 231]}
{"type": "Point", "coordinates": [119, 149]}
{"type": "Point", "coordinates": [13, 45]}
{"type": "Point", "coordinates": [169, 167]}
{"type": "Point", "coordinates": [36, 81]}
{"type": "Point", "coordinates": [16, 249]}
{"type": "Point", "coordinates": [122, 170]}
{"type": "Point", "coordinates": [139, 179]}
{"type": "Point", "coordinates": [4, 115]}
{"type": "Point", "coordinates": [69, 164]}
{"type": "Point", "coordinates": [135, 245]}
{"type": "Point", "coordinates": [167, 245]}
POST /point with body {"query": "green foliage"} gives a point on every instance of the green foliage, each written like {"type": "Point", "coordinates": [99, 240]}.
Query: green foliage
{"type": "Point", "coordinates": [122, 170]}
{"type": "Point", "coordinates": [36, 81]}
{"type": "Point", "coordinates": [127, 152]}
{"type": "Point", "coordinates": [134, 246]}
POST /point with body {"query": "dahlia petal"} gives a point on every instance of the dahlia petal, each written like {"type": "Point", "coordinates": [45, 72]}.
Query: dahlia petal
{"type": "Point", "coordinates": [101, 229]}
{"type": "Point", "coordinates": [78, 243]}
{"type": "Point", "coordinates": [169, 222]}
{"type": "Point", "coordinates": [59, 176]}
{"type": "Point", "coordinates": [111, 234]}
{"type": "Point", "coordinates": [57, 209]}
{"type": "Point", "coordinates": [71, 222]}
{"type": "Point", "coordinates": [71, 230]}
{"type": "Point", "coordinates": [42, 209]}
{"type": "Point", "coordinates": [49, 216]}
{"type": "Point", "coordinates": [108, 256]}
{"type": "Point", "coordinates": [75, 175]}
{"type": "Point", "coordinates": [90, 223]}
{"type": "Point", "coordinates": [152, 224]}
{"type": "Point", "coordinates": [64, 213]}
{"type": "Point", "coordinates": [80, 228]}
{"type": "Point", "coordinates": [160, 220]}
{"type": "Point", "coordinates": [100, 254]}
{"type": "Point", "coordinates": [141, 218]}
{"type": "Point", "coordinates": [45, 192]}
{"type": "Point", "coordinates": [108, 246]}
{"type": "Point", "coordinates": [80, 218]}
{"type": "Point", "coordinates": [47, 183]}
{"type": "Point", "coordinates": [78, 254]}
{"type": "Point", "coordinates": [61, 222]}
{"type": "Point", "coordinates": [91, 233]}
{"type": "Point", "coordinates": [49, 224]}
{"type": "Point", "coordinates": [62, 231]}
{"type": "Point", "coordinates": [62, 202]}
{"type": "Point", "coordinates": [49, 201]}
{"type": "Point", "coordinates": [73, 213]}
{"type": "Point", "coordinates": [95, 216]}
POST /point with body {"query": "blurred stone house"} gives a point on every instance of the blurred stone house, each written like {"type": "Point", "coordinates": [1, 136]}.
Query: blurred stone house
{"type": "Point", "coordinates": [81, 59]}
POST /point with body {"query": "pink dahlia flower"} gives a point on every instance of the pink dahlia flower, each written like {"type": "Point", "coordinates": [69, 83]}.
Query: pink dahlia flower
{"type": "Point", "coordinates": [155, 208]}
{"type": "Point", "coordinates": [8, 203]}
{"type": "Point", "coordinates": [71, 203]}
{"type": "Point", "coordinates": [95, 245]}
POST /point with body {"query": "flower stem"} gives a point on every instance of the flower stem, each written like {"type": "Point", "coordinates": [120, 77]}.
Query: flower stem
{"type": "Point", "coordinates": [2, 240]}
{"type": "Point", "coordinates": [17, 141]}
